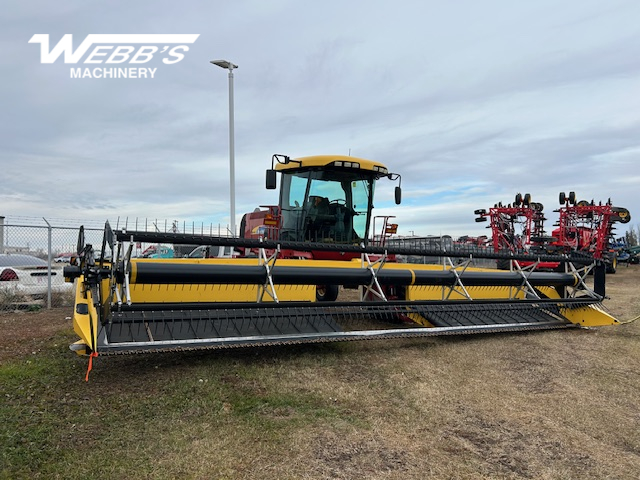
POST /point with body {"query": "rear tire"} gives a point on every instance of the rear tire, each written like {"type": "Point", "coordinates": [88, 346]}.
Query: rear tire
{"type": "Point", "coordinates": [327, 293]}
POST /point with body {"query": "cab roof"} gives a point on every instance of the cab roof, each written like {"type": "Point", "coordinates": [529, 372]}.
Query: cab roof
{"type": "Point", "coordinates": [330, 160]}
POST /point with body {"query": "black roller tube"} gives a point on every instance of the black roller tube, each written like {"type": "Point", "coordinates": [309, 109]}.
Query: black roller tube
{"type": "Point", "coordinates": [185, 273]}
{"type": "Point", "coordinates": [182, 238]}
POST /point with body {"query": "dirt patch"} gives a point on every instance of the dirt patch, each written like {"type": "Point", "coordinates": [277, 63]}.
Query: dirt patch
{"type": "Point", "coordinates": [512, 450]}
{"type": "Point", "coordinates": [27, 333]}
{"type": "Point", "coordinates": [336, 456]}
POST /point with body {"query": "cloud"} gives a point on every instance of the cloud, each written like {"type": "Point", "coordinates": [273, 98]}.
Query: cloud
{"type": "Point", "coordinates": [471, 103]}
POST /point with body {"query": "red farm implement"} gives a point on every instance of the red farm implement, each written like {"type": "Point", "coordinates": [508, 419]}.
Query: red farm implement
{"type": "Point", "coordinates": [584, 228]}
{"type": "Point", "coordinates": [517, 228]}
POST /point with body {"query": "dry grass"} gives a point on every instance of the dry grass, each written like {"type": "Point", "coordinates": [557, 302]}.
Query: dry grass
{"type": "Point", "coordinates": [556, 404]}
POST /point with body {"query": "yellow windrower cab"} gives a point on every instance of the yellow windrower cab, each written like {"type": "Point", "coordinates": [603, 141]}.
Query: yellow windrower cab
{"type": "Point", "coordinates": [268, 293]}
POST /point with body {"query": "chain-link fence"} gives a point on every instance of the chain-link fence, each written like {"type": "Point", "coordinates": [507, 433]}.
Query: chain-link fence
{"type": "Point", "coordinates": [32, 258]}
{"type": "Point", "coordinates": [34, 252]}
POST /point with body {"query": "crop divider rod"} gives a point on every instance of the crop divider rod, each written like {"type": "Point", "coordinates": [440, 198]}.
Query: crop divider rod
{"type": "Point", "coordinates": [114, 266]}
{"type": "Point", "coordinates": [525, 272]}
{"type": "Point", "coordinates": [458, 283]}
{"type": "Point", "coordinates": [582, 286]}
{"type": "Point", "coordinates": [268, 263]}
{"type": "Point", "coordinates": [127, 266]}
{"type": "Point", "coordinates": [373, 267]}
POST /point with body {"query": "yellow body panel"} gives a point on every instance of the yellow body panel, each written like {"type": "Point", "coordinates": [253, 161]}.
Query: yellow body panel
{"type": "Point", "coordinates": [428, 292]}
{"type": "Point", "coordinates": [85, 324]}
{"type": "Point", "coordinates": [588, 316]}
{"type": "Point", "coordinates": [193, 293]}
{"type": "Point", "coordinates": [241, 261]}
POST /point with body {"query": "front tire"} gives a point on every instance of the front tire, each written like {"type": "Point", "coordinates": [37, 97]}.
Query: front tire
{"type": "Point", "coordinates": [503, 264]}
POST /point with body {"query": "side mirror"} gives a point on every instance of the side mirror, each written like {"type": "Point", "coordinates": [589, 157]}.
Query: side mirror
{"type": "Point", "coordinates": [271, 179]}
{"type": "Point", "coordinates": [398, 194]}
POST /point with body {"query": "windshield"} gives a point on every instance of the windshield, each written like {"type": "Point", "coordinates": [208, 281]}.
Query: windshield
{"type": "Point", "coordinates": [330, 206]}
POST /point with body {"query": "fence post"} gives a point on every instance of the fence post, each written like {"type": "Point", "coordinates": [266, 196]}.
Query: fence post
{"type": "Point", "coordinates": [1, 234]}
{"type": "Point", "coordinates": [49, 263]}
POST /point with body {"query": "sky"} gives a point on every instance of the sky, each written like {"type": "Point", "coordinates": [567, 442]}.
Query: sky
{"type": "Point", "coordinates": [471, 102]}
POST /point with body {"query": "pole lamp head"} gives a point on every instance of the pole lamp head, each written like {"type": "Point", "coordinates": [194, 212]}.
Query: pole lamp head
{"type": "Point", "coordinates": [224, 64]}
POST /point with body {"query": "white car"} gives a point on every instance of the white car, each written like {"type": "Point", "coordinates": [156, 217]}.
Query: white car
{"type": "Point", "coordinates": [64, 258]}
{"type": "Point", "coordinates": [26, 275]}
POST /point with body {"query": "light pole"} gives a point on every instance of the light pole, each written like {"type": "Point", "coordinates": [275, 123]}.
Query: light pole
{"type": "Point", "coordinates": [232, 174]}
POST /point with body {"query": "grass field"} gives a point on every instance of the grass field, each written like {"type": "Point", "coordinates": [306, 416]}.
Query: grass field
{"type": "Point", "coordinates": [555, 404]}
